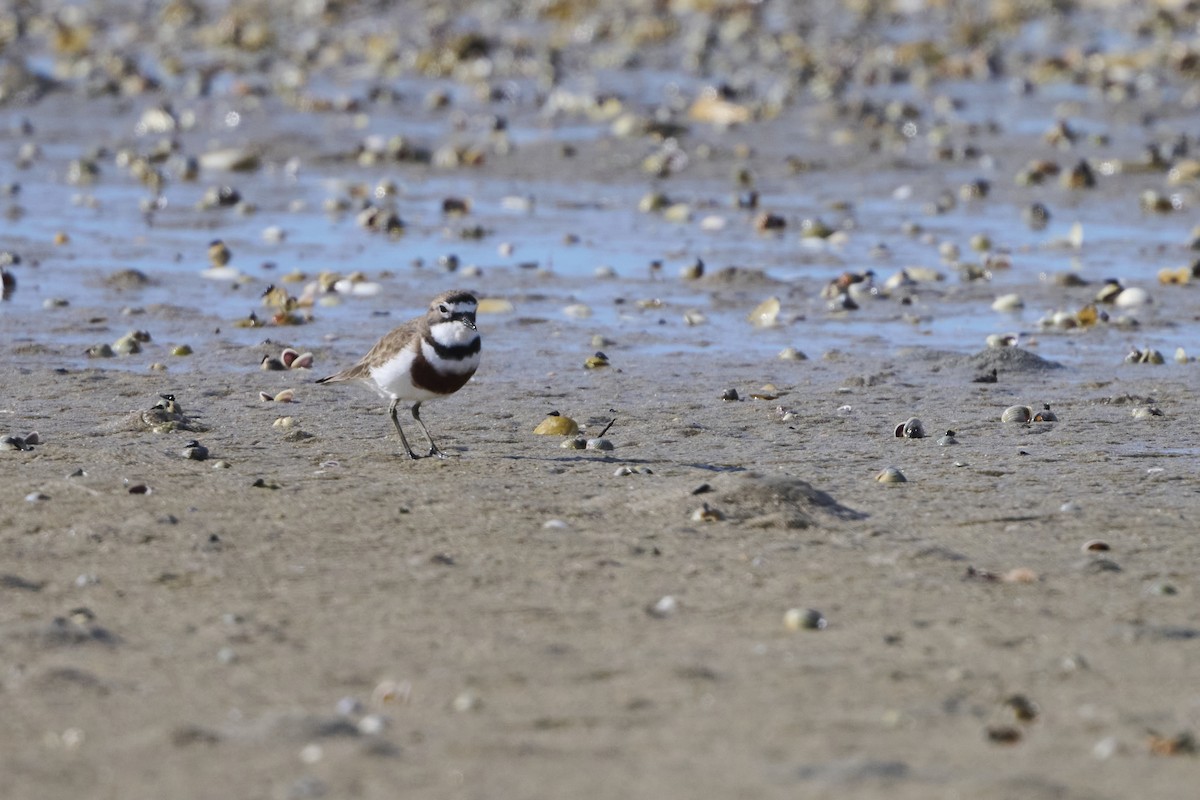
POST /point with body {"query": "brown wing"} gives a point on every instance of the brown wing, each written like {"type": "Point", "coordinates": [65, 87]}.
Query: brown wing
{"type": "Point", "coordinates": [392, 342]}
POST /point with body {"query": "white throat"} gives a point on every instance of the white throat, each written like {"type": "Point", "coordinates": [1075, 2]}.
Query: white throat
{"type": "Point", "coordinates": [452, 333]}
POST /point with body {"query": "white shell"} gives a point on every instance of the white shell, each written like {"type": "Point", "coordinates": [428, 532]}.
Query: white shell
{"type": "Point", "coordinates": [1132, 297]}
{"type": "Point", "coordinates": [1017, 414]}
{"type": "Point", "coordinates": [1008, 302]}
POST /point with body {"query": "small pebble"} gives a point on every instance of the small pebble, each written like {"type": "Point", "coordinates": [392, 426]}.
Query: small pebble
{"type": "Point", "coordinates": [1106, 748]}
{"type": "Point", "coordinates": [372, 725]}
{"type": "Point", "coordinates": [729, 395]}
{"type": "Point", "coordinates": [664, 607]}
{"type": "Point", "coordinates": [466, 701]}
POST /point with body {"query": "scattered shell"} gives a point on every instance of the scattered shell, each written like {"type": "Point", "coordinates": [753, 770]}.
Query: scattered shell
{"type": "Point", "coordinates": [219, 253]}
{"type": "Point", "coordinates": [792, 354]}
{"type": "Point", "coordinates": [692, 271]}
{"type": "Point", "coordinates": [494, 305]}
{"type": "Point", "coordinates": [99, 351]}
{"type": "Point", "coordinates": [766, 313]}
{"type": "Point", "coordinates": [1175, 277]}
{"type": "Point", "coordinates": [1020, 575]}
{"type": "Point", "coordinates": [796, 619]}
{"type": "Point", "coordinates": [1095, 545]}
{"type": "Point", "coordinates": [129, 344]}
{"type": "Point", "coordinates": [1132, 297]}
{"type": "Point", "coordinates": [557, 425]}
{"type": "Point", "coordinates": [1181, 356]}
{"type": "Point", "coordinates": [694, 317]}
{"type": "Point", "coordinates": [911, 428]}
{"type": "Point", "coordinates": [168, 405]}
{"type": "Point", "coordinates": [729, 395]}
{"type": "Point", "coordinates": [998, 340]}
{"type": "Point", "coordinates": [286, 396]}
{"type": "Point", "coordinates": [230, 159]}
{"type": "Point", "coordinates": [195, 451]}
{"type": "Point", "coordinates": [707, 513]}
{"type": "Point", "coordinates": [578, 311]}
{"type": "Point", "coordinates": [295, 360]}
{"type": "Point", "coordinates": [181, 350]}
{"type": "Point", "coordinates": [574, 443]}
{"type": "Point", "coordinates": [664, 607]}
{"type": "Point", "coordinates": [1017, 414]}
{"type": "Point", "coordinates": [1045, 415]}
{"type": "Point", "coordinates": [1008, 302]}
{"type": "Point", "coordinates": [769, 222]}
{"type": "Point", "coordinates": [1146, 412]}
{"type": "Point", "coordinates": [711, 107]}
{"type": "Point", "coordinates": [1003, 734]}
{"type": "Point", "coordinates": [1182, 743]}
{"type": "Point", "coordinates": [599, 444]}
{"type": "Point", "coordinates": [597, 361]}
{"type": "Point", "coordinates": [891, 475]}
{"type": "Point", "coordinates": [1147, 356]}
{"type": "Point", "coordinates": [947, 439]}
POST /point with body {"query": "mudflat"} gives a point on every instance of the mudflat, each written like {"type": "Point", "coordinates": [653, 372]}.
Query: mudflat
{"type": "Point", "coordinates": [728, 602]}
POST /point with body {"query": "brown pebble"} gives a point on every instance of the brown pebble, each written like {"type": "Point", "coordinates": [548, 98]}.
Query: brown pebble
{"type": "Point", "coordinates": [1003, 734]}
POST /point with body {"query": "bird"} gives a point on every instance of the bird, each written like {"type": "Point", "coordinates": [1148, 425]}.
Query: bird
{"type": "Point", "coordinates": [426, 358]}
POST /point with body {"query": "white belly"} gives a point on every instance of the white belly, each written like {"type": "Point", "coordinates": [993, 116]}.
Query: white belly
{"type": "Point", "coordinates": [393, 379]}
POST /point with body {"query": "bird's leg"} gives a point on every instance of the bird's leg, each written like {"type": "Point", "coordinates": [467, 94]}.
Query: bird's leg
{"type": "Point", "coordinates": [399, 430]}
{"type": "Point", "coordinates": [433, 448]}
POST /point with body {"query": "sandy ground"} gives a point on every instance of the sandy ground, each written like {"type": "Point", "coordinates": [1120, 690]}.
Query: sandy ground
{"type": "Point", "coordinates": [309, 614]}
{"type": "Point", "coordinates": [221, 638]}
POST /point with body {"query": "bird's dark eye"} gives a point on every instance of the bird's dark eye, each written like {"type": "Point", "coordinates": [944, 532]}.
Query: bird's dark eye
{"type": "Point", "coordinates": [443, 309]}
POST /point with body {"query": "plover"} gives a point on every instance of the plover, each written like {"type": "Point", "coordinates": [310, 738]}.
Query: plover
{"type": "Point", "coordinates": [425, 358]}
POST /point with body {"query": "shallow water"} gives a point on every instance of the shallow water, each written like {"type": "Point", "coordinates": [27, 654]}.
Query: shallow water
{"type": "Point", "coordinates": [306, 163]}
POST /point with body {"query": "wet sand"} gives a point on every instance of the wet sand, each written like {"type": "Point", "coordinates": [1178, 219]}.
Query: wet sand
{"type": "Point", "coordinates": [307, 613]}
